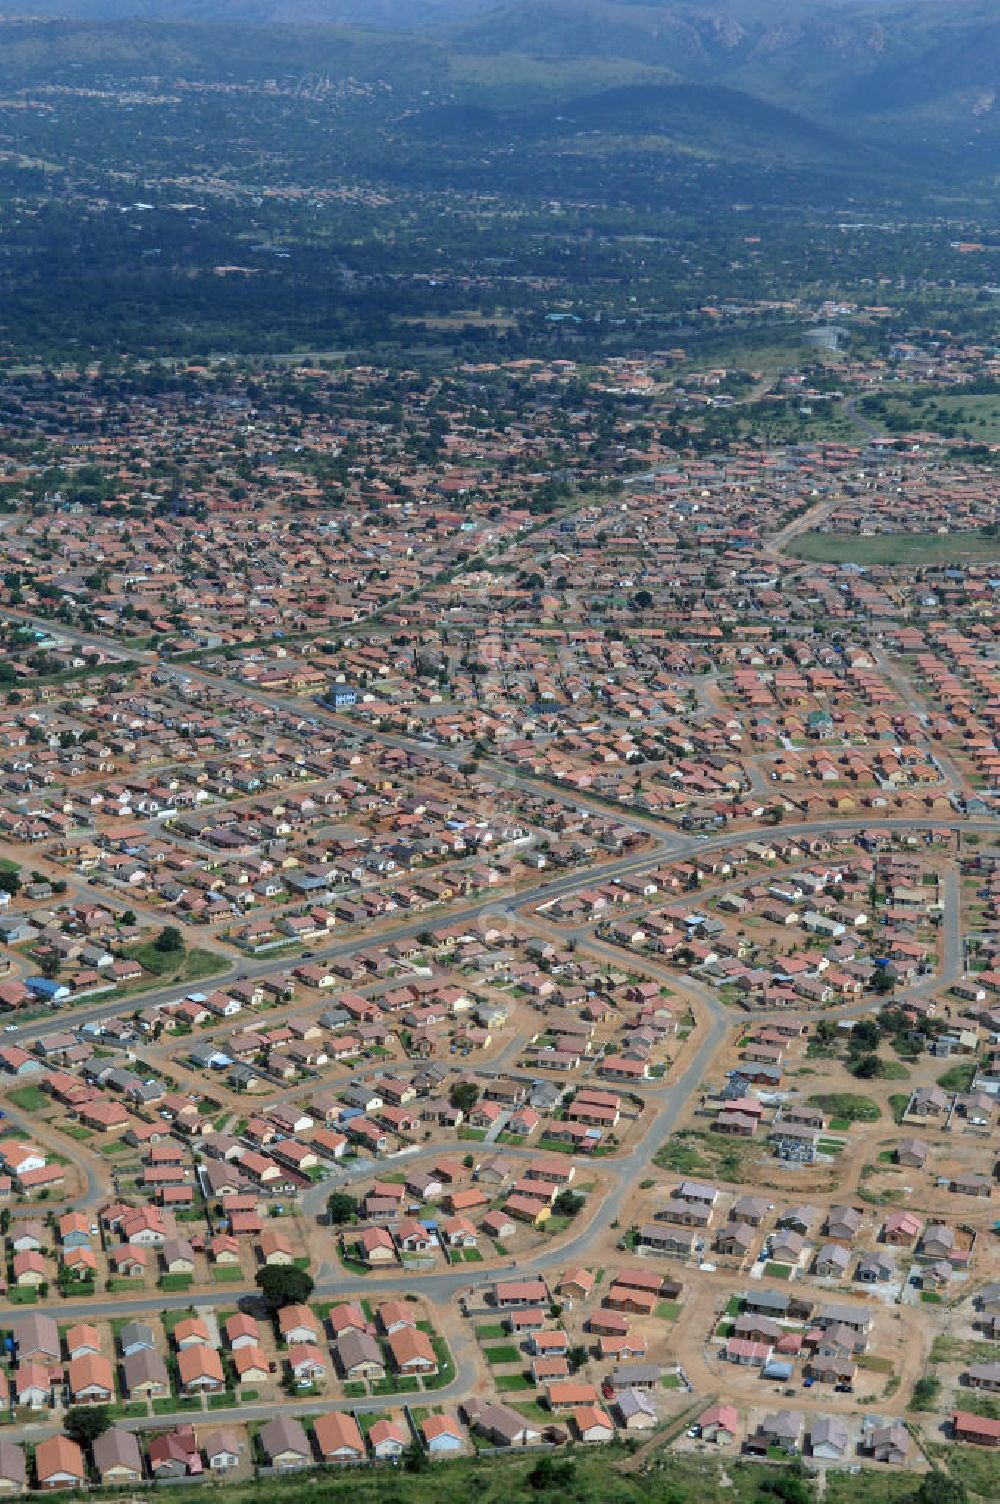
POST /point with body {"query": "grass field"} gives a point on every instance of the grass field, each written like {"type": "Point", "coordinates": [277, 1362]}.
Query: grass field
{"type": "Point", "coordinates": [846, 1107]}
{"type": "Point", "coordinates": [900, 551]}
{"type": "Point", "coordinates": [974, 416]}
{"type": "Point", "coordinates": [178, 966]}
{"type": "Point", "coordinates": [29, 1098]}
{"type": "Point", "coordinates": [507, 1353]}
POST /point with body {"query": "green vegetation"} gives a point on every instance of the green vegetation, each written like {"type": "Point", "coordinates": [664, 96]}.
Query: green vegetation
{"type": "Point", "coordinates": [846, 1107]}
{"type": "Point", "coordinates": [341, 1208]}
{"type": "Point", "coordinates": [905, 551]}
{"type": "Point", "coordinates": [958, 1078]}
{"type": "Point", "coordinates": [505, 1354]}
{"type": "Point", "coordinates": [926, 1392]}
{"type": "Point", "coordinates": [284, 1285]}
{"type": "Point", "coordinates": [84, 1423]}
{"type": "Point", "coordinates": [678, 1155]}
{"type": "Point", "coordinates": [176, 965]}
{"type": "Point", "coordinates": [30, 1099]}
{"type": "Point", "coordinates": [586, 1477]}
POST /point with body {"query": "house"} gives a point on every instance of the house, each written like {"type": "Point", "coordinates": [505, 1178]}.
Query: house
{"type": "Point", "coordinates": [735, 1239]}
{"type": "Point", "coordinates": [13, 1468]}
{"type": "Point", "coordinates": [191, 1331]}
{"type": "Point", "coordinates": [284, 1444]}
{"type": "Point", "coordinates": [251, 1363]}
{"type": "Point", "coordinates": [975, 1428]}
{"type": "Point", "coordinates": [500, 1424]}
{"type": "Point", "coordinates": [29, 1269]}
{"type": "Point", "coordinates": [938, 1242]}
{"type": "Point", "coordinates": [82, 1338]}
{"type": "Point", "coordinates": [578, 1284]}
{"type": "Point", "coordinates": [338, 1438]}
{"type": "Point", "coordinates": [276, 1247]}
{"type": "Point", "coordinates": [359, 1356]}
{"type": "Point", "coordinates": [241, 1330]}
{"type": "Point", "coordinates": [33, 1384]}
{"type": "Point", "coordinates": [832, 1261]}
{"type": "Point", "coordinates": [388, 1439]}
{"type": "Point", "coordinates": [144, 1374]}
{"type": "Point", "coordinates": [117, 1457]}
{"type": "Point", "coordinates": [222, 1451]}
{"type": "Point", "coordinates": [636, 1411]}
{"type": "Point", "coordinates": [875, 1269]}
{"type": "Point", "coordinates": [375, 1246]}
{"type": "Point", "coordinates": [412, 1351]}
{"type": "Point", "coordinates": [828, 1438]}
{"type": "Point", "coordinates": [749, 1209]}
{"type": "Point", "coordinates": [441, 1434]}
{"type": "Point", "coordinates": [901, 1229]}
{"type": "Point", "coordinates": [889, 1443]}
{"type": "Point", "coordinates": [297, 1323]}
{"type": "Point", "coordinates": [59, 1463]}
{"type": "Point", "coordinates": [199, 1370]}
{"type": "Point", "coordinates": [983, 1376]}
{"type": "Point", "coordinates": [307, 1363]}
{"type": "Point", "coordinates": [394, 1315]}
{"type": "Point", "coordinates": [177, 1255]}
{"type": "Point", "coordinates": [843, 1223]}
{"type": "Point", "coordinates": [174, 1454]}
{"type": "Point", "coordinates": [348, 1317]}
{"type": "Point", "coordinates": [90, 1380]}
{"type": "Point", "coordinates": [780, 1428]}
{"type": "Point", "coordinates": [679, 1241]}
{"type": "Point", "coordinates": [522, 1292]}
{"type": "Point", "coordinates": [134, 1336]}
{"type": "Point", "coordinates": [644, 1376]}
{"type": "Point", "coordinates": [720, 1424]}
{"type": "Point", "coordinates": [592, 1424]}
{"type": "Point", "coordinates": [912, 1152]}
{"type": "Point", "coordinates": [498, 1226]}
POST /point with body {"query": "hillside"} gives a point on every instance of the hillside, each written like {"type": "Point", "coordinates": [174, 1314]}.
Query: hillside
{"type": "Point", "coordinates": [888, 78]}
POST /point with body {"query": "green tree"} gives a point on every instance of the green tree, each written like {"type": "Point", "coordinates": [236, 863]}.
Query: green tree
{"type": "Point", "coordinates": [415, 1459]}
{"type": "Point", "coordinates": [169, 940]}
{"type": "Point", "coordinates": [552, 1473]}
{"type": "Point", "coordinates": [284, 1285]}
{"type": "Point", "coordinates": [340, 1208]}
{"type": "Point", "coordinates": [939, 1488]}
{"type": "Point", "coordinates": [464, 1096]}
{"type": "Point", "coordinates": [865, 1036]}
{"type": "Point", "coordinates": [85, 1423]}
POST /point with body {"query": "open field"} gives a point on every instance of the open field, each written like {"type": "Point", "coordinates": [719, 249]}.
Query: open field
{"type": "Point", "coordinates": [894, 550]}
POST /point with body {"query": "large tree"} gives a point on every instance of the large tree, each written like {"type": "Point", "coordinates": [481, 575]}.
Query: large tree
{"type": "Point", "coordinates": [284, 1285]}
{"type": "Point", "coordinates": [85, 1423]}
{"type": "Point", "coordinates": [340, 1208]}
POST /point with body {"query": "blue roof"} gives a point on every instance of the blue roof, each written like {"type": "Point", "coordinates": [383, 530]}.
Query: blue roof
{"type": "Point", "coordinates": [45, 986]}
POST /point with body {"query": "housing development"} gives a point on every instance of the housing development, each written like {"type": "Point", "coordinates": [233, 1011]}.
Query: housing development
{"type": "Point", "coordinates": [499, 919]}
{"type": "Point", "coordinates": [500, 751]}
